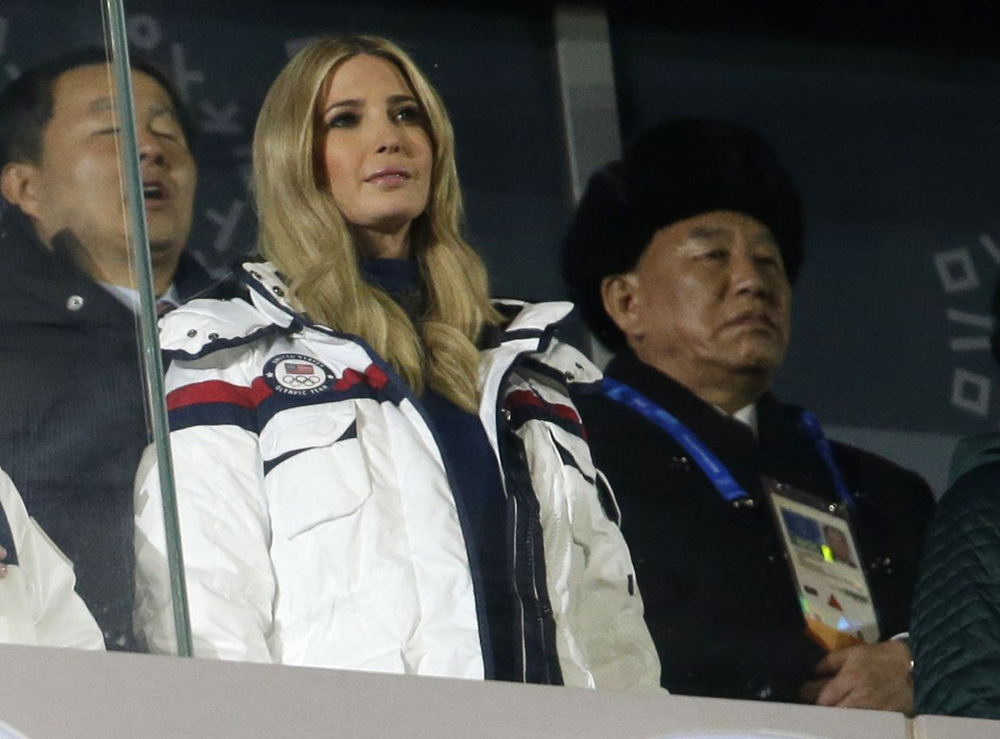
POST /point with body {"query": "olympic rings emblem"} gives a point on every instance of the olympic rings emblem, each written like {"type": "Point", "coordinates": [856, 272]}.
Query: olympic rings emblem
{"type": "Point", "coordinates": [297, 374]}
{"type": "Point", "coordinates": [304, 381]}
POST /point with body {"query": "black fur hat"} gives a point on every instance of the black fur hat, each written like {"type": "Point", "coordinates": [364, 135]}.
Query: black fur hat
{"type": "Point", "coordinates": [680, 168]}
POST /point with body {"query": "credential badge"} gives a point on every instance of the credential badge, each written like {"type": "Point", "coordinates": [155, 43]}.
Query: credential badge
{"type": "Point", "coordinates": [297, 374]}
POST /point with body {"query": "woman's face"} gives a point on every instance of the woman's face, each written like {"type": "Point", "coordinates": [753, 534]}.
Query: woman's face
{"type": "Point", "coordinates": [374, 147]}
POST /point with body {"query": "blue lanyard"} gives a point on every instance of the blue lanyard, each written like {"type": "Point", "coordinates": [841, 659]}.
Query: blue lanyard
{"type": "Point", "coordinates": [713, 468]}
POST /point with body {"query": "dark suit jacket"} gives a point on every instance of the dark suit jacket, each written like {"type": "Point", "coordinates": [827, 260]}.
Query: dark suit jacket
{"type": "Point", "coordinates": [719, 595]}
{"type": "Point", "coordinates": [72, 412]}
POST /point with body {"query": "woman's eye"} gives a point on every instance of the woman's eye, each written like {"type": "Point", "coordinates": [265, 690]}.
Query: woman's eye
{"type": "Point", "coordinates": [409, 114]}
{"type": "Point", "coordinates": [343, 120]}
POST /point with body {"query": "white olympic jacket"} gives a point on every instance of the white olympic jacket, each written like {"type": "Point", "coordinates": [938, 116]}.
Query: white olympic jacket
{"type": "Point", "coordinates": [318, 524]}
{"type": "Point", "coordinates": [38, 605]}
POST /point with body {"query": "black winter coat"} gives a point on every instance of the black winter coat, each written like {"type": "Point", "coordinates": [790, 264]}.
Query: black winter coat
{"type": "Point", "coordinates": [719, 596]}
{"type": "Point", "coordinates": [72, 413]}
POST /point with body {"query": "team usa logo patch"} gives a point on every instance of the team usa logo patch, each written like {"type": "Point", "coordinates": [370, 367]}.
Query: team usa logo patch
{"type": "Point", "coordinates": [297, 374]}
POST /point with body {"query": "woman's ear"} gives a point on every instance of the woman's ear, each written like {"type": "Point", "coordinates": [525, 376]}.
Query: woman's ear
{"type": "Point", "coordinates": [17, 185]}
{"type": "Point", "coordinates": [622, 303]}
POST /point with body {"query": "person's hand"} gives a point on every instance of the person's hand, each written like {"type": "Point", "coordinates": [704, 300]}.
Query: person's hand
{"type": "Point", "coordinates": [3, 567]}
{"type": "Point", "coordinates": [863, 676]}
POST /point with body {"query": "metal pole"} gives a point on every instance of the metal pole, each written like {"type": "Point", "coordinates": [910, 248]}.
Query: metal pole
{"type": "Point", "coordinates": [589, 101]}
{"type": "Point", "coordinates": [148, 337]}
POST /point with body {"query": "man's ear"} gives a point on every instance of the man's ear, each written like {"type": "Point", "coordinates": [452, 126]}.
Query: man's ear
{"type": "Point", "coordinates": [620, 295]}
{"type": "Point", "coordinates": [18, 187]}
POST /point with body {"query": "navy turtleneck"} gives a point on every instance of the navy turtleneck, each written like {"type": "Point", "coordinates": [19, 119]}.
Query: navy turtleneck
{"type": "Point", "coordinates": [475, 478]}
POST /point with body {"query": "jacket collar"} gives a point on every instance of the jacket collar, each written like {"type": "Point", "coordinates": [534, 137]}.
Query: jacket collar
{"type": "Point", "coordinates": [269, 294]}
{"type": "Point", "coordinates": [41, 284]}
{"type": "Point", "coordinates": [712, 426]}
{"type": "Point", "coordinates": [45, 286]}
{"type": "Point", "coordinates": [529, 325]}
{"type": "Point", "coordinates": [191, 331]}
{"type": "Point", "coordinates": [781, 450]}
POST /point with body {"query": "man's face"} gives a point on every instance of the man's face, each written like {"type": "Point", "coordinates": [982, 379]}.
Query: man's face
{"type": "Point", "coordinates": [76, 186]}
{"type": "Point", "coordinates": [710, 299]}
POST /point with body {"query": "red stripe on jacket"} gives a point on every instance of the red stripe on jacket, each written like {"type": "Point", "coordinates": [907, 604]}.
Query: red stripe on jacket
{"type": "Point", "coordinates": [217, 391]}
{"type": "Point", "coordinates": [526, 397]}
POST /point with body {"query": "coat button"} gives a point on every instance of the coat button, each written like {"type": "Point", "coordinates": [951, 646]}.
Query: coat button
{"type": "Point", "coordinates": [255, 275]}
{"type": "Point", "coordinates": [744, 503]}
{"type": "Point", "coordinates": [278, 291]}
{"type": "Point", "coordinates": [213, 336]}
{"type": "Point", "coordinates": [680, 462]}
{"type": "Point", "coordinates": [74, 303]}
{"type": "Point", "coordinates": [506, 415]}
{"type": "Point", "coordinates": [192, 333]}
{"type": "Point", "coordinates": [881, 564]}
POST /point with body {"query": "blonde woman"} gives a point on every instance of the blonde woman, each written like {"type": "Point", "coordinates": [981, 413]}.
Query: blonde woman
{"type": "Point", "coordinates": [377, 467]}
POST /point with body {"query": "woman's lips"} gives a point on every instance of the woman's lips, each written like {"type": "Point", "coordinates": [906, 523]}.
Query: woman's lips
{"type": "Point", "coordinates": [388, 175]}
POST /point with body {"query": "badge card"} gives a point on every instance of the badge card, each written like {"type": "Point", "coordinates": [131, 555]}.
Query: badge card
{"type": "Point", "coordinates": [820, 547]}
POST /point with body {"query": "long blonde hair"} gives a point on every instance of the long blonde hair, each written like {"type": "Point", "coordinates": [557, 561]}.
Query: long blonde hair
{"type": "Point", "coordinates": [304, 234]}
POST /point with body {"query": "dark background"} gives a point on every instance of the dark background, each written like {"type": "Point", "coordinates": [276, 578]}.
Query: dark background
{"type": "Point", "coordinates": [886, 114]}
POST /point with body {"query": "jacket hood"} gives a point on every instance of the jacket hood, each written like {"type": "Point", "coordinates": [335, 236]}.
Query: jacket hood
{"type": "Point", "coordinates": [204, 326]}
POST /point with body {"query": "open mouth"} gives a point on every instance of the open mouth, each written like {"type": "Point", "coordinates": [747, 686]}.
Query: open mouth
{"type": "Point", "coordinates": [154, 191]}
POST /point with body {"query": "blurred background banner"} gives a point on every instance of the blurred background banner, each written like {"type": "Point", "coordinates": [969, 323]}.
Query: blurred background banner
{"type": "Point", "coordinates": [887, 118]}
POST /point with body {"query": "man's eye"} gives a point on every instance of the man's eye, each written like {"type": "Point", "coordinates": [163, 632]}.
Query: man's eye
{"type": "Point", "coordinates": [343, 120]}
{"type": "Point", "coordinates": [109, 131]}
{"type": "Point", "coordinates": [409, 114]}
{"type": "Point", "coordinates": [166, 132]}
{"type": "Point", "coordinates": [717, 255]}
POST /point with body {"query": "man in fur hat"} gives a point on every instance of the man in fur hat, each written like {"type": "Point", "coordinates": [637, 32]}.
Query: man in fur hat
{"type": "Point", "coordinates": [681, 257]}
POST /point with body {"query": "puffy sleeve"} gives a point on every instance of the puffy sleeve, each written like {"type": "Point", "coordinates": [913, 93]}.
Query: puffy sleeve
{"type": "Point", "coordinates": [52, 610]}
{"type": "Point", "coordinates": [603, 605]}
{"type": "Point", "coordinates": [602, 636]}
{"type": "Point", "coordinates": [223, 514]}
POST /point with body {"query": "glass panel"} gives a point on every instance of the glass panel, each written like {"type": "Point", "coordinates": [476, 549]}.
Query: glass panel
{"type": "Point", "coordinates": [158, 173]}
{"type": "Point", "coordinates": [514, 97]}
{"type": "Point", "coordinates": [76, 430]}
{"type": "Point", "coordinates": [510, 147]}
{"type": "Point", "coordinates": [74, 418]}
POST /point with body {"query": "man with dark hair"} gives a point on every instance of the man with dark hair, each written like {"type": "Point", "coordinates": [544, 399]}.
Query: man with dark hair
{"type": "Point", "coordinates": [681, 257]}
{"type": "Point", "coordinates": [72, 413]}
